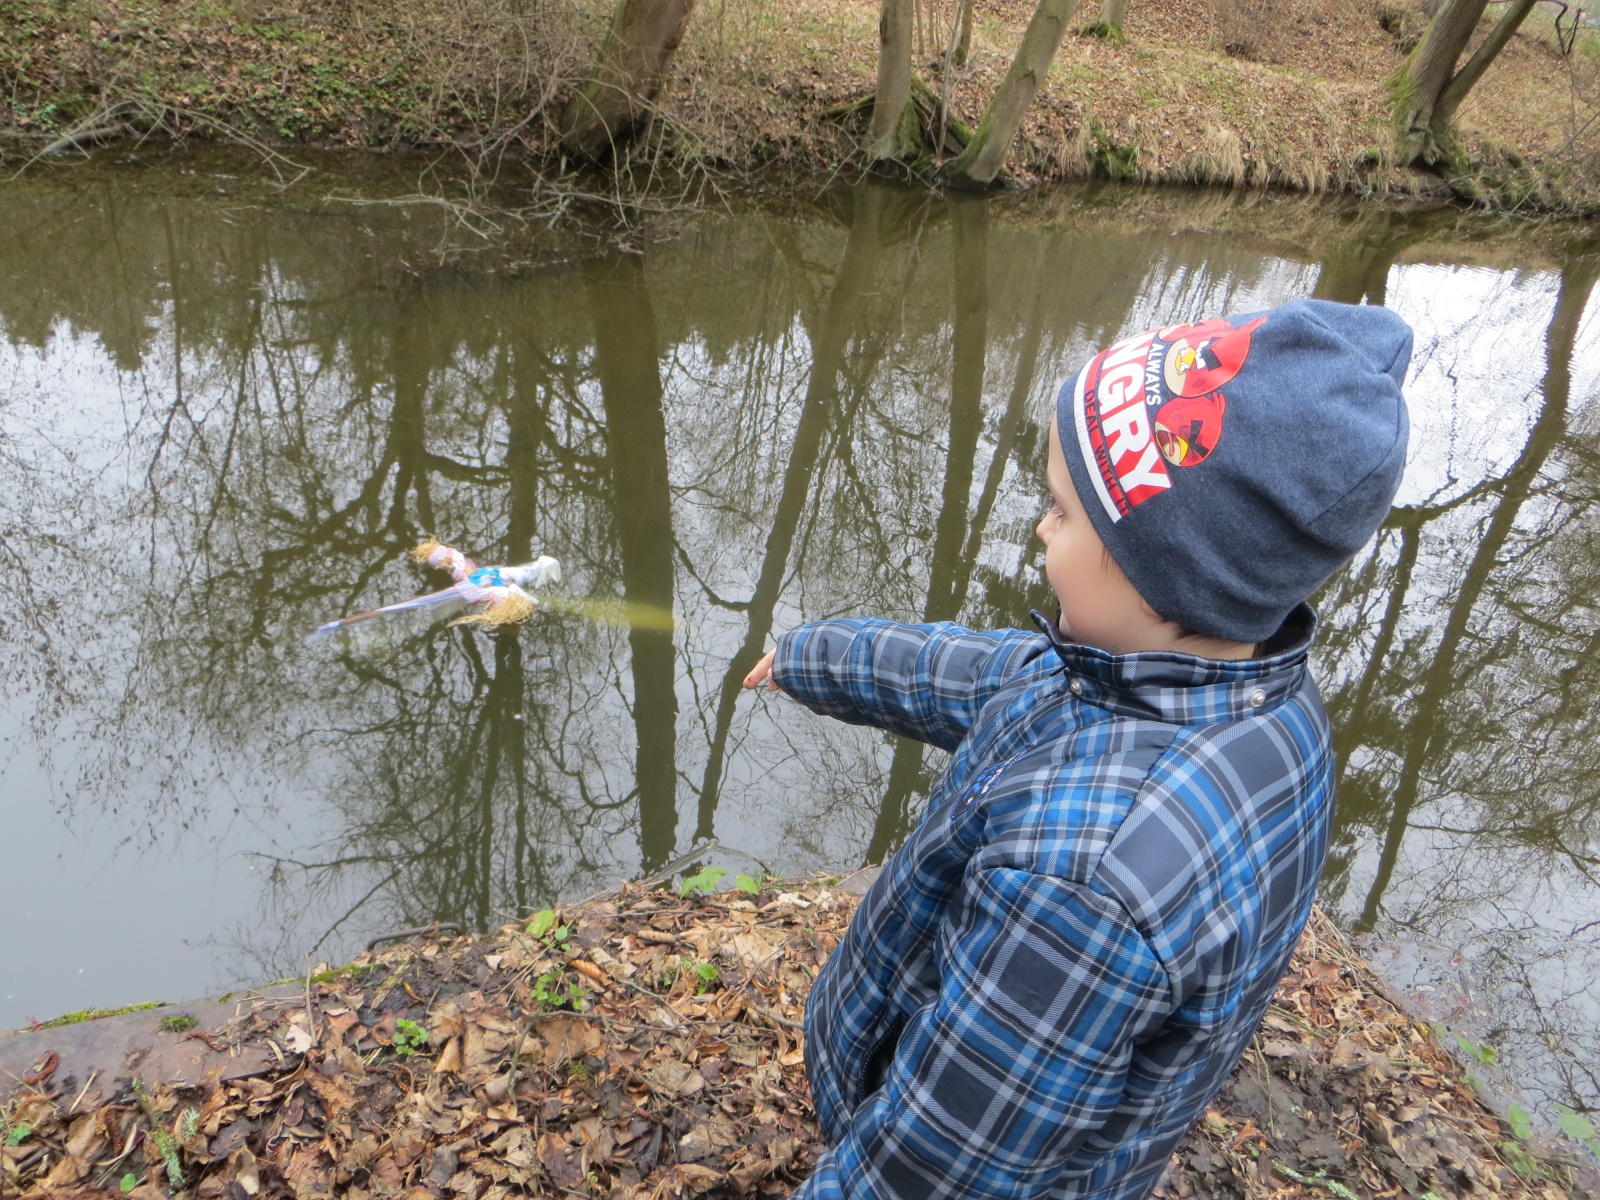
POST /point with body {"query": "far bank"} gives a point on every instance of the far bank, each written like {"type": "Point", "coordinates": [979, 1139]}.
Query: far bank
{"type": "Point", "coordinates": [1235, 93]}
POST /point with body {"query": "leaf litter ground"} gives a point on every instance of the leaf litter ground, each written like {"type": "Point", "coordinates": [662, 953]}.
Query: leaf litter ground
{"type": "Point", "coordinates": [647, 1046]}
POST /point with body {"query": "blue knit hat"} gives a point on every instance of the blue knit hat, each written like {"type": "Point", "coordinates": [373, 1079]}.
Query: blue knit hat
{"type": "Point", "coordinates": [1231, 466]}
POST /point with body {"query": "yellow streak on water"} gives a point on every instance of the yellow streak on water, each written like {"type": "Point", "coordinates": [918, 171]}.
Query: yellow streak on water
{"type": "Point", "coordinates": [607, 611]}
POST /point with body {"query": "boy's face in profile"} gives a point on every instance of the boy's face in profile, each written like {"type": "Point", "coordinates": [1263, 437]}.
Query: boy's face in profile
{"type": "Point", "coordinates": [1099, 607]}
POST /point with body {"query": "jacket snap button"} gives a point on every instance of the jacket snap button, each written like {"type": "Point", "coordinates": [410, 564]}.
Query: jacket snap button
{"type": "Point", "coordinates": [1076, 687]}
{"type": "Point", "coordinates": [1257, 698]}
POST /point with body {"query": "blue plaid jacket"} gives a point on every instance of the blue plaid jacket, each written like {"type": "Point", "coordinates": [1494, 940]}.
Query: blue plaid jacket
{"type": "Point", "coordinates": [1056, 973]}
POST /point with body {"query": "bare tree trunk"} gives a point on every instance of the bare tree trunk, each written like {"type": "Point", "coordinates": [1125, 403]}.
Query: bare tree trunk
{"type": "Point", "coordinates": [963, 34]}
{"type": "Point", "coordinates": [986, 153]}
{"type": "Point", "coordinates": [1114, 12]}
{"type": "Point", "coordinates": [1429, 89]}
{"type": "Point", "coordinates": [1444, 111]}
{"type": "Point", "coordinates": [617, 102]}
{"type": "Point", "coordinates": [888, 136]}
{"type": "Point", "coordinates": [1426, 74]}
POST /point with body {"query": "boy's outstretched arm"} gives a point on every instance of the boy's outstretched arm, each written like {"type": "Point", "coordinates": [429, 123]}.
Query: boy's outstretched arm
{"type": "Point", "coordinates": [924, 681]}
{"type": "Point", "coordinates": [1021, 1058]}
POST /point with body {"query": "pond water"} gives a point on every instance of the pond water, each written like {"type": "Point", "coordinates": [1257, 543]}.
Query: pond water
{"type": "Point", "coordinates": [223, 422]}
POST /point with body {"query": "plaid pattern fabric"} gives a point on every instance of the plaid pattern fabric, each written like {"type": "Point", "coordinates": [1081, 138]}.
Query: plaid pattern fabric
{"type": "Point", "coordinates": [1056, 973]}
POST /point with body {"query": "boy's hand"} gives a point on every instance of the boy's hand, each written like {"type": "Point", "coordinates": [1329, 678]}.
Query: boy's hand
{"type": "Point", "coordinates": [762, 673]}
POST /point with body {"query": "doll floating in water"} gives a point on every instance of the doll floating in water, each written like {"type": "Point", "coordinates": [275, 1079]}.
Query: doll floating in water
{"type": "Point", "coordinates": [501, 590]}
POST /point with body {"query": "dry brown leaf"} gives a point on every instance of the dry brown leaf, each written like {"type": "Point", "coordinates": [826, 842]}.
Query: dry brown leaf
{"type": "Point", "coordinates": [673, 1078]}
{"type": "Point", "coordinates": [558, 1158]}
{"type": "Point", "coordinates": [449, 1058]}
{"type": "Point", "coordinates": [752, 949]}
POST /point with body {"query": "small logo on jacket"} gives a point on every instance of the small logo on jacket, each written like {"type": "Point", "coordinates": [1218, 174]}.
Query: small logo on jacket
{"type": "Point", "coordinates": [1152, 401]}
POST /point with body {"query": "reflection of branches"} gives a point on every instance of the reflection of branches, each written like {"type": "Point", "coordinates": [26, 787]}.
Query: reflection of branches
{"type": "Point", "coordinates": [1426, 731]}
{"type": "Point", "coordinates": [1464, 735]}
{"type": "Point", "coordinates": [838, 324]}
{"type": "Point", "coordinates": [948, 571]}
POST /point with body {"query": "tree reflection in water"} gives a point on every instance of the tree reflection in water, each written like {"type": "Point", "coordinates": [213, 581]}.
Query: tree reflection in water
{"type": "Point", "coordinates": [770, 418]}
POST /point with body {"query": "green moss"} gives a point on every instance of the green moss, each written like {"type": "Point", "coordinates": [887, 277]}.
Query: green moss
{"type": "Point", "coordinates": [328, 976]}
{"type": "Point", "coordinates": [94, 1014]}
{"type": "Point", "coordinates": [178, 1023]}
{"type": "Point", "coordinates": [1108, 31]}
{"type": "Point", "coordinates": [1109, 159]}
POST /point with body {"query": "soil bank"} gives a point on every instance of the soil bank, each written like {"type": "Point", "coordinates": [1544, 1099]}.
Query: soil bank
{"type": "Point", "coordinates": [1238, 93]}
{"type": "Point", "coordinates": [647, 1044]}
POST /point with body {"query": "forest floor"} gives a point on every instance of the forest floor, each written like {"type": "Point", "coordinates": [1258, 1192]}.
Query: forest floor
{"type": "Point", "coordinates": [1251, 93]}
{"type": "Point", "coordinates": [647, 1044]}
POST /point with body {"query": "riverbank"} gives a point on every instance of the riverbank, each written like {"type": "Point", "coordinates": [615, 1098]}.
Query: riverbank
{"type": "Point", "coordinates": [648, 1044]}
{"type": "Point", "coordinates": [1293, 97]}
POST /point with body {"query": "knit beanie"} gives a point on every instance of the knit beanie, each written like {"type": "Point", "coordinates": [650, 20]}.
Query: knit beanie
{"type": "Point", "coordinates": [1231, 466]}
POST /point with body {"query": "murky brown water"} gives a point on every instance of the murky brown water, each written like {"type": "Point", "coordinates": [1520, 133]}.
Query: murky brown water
{"type": "Point", "coordinates": [222, 423]}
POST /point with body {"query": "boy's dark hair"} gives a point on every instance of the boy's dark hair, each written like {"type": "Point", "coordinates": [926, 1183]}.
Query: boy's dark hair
{"type": "Point", "coordinates": [1183, 631]}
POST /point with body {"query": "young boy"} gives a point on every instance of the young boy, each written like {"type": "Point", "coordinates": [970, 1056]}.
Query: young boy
{"type": "Point", "coordinates": [1058, 970]}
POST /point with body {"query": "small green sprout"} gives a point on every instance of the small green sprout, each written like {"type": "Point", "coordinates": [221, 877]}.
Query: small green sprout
{"type": "Point", "coordinates": [544, 926]}
{"type": "Point", "coordinates": [409, 1037]}
{"type": "Point", "coordinates": [1574, 1124]}
{"type": "Point", "coordinates": [1487, 1055]}
{"type": "Point", "coordinates": [1521, 1123]}
{"type": "Point", "coordinates": [1518, 1159]}
{"type": "Point", "coordinates": [167, 1147]}
{"type": "Point", "coordinates": [18, 1134]}
{"type": "Point", "coordinates": [543, 922]}
{"type": "Point", "coordinates": [702, 881]}
{"type": "Point", "coordinates": [551, 996]}
{"type": "Point", "coordinates": [1321, 1178]}
{"type": "Point", "coordinates": [706, 973]}
{"type": "Point", "coordinates": [747, 883]}
{"type": "Point", "coordinates": [127, 1183]}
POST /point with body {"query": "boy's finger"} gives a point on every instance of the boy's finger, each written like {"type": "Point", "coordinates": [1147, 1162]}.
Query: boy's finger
{"type": "Point", "coordinates": [762, 672]}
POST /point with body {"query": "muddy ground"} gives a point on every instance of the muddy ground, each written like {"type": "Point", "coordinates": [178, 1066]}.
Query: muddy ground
{"type": "Point", "coordinates": [648, 1044]}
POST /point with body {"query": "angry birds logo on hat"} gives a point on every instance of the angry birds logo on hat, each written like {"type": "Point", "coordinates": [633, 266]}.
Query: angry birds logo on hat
{"type": "Point", "coordinates": [1187, 428]}
{"type": "Point", "coordinates": [1201, 358]}
{"type": "Point", "coordinates": [1154, 401]}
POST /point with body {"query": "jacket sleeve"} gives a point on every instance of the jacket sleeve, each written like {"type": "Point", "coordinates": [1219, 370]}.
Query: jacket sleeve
{"type": "Point", "coordinates": [1020, 1058]}
{"type": "Point", "coordinates": [924, 681]}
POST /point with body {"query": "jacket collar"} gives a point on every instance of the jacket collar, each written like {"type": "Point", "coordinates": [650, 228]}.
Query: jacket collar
{"type": "Point", "coordinates": [1182, 689]}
